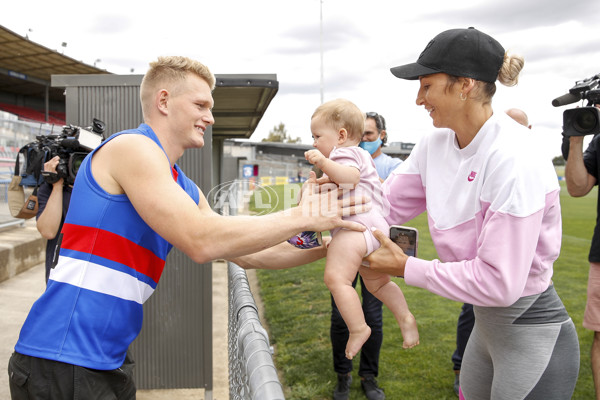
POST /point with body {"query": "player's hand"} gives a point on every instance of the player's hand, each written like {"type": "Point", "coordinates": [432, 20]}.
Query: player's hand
{"type": "Point", "coordinates": [325, 208]}
{"type": "Point", "coordinates": [324, 180]}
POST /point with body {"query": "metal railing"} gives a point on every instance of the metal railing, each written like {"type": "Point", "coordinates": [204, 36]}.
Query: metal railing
{"type": "Point", "coordinates": [252, 373]}
{"type": "Point", "coordinates": [20, 222]}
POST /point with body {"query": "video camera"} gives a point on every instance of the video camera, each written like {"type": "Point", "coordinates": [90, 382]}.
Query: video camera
{"type": "Point", "coordinates": [581, 121]}
{"type": "Point", "coordinates": [72, 145]}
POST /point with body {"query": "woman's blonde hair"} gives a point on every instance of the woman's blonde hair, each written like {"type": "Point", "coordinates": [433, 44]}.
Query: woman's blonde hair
{"type": "Point", "coordinates": [510, 69]}
{"type": "Point", "coordinates": [508, 76]}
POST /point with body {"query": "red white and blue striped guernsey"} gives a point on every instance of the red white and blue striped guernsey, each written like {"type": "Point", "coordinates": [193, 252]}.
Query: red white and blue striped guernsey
{"type": "Point", "coordinates": [110, 263]}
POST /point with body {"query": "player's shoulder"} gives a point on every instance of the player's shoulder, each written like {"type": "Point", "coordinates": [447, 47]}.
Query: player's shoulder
{"type": "Point", "coordinates": [130, 137]}
{"type": "Point", "coordinates": [132, 144]}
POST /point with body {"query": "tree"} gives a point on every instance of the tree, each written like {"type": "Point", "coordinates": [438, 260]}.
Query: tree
{"type": "Point", "coordinates": [279, 134]}
{"type": "Point", "coordinates": [558, 160]}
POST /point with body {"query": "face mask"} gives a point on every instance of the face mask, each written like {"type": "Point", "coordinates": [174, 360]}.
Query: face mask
{"type": "Point", "coordinates": [371, 147]}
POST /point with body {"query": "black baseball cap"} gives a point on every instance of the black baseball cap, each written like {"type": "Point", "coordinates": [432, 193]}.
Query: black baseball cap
{"type": "Point", "coordinates": [460, 52]}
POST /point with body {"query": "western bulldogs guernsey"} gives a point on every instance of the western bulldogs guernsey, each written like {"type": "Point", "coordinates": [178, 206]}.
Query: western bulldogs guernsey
{"type": "Point", "coordinates": [110, 263]}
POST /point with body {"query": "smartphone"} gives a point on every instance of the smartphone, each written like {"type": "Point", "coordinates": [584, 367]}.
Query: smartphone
{"type": "Point", "coordinates": [405, 237]}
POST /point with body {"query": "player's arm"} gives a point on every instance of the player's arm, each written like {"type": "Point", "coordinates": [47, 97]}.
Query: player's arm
{"type": "Point", "coordinates": [134, 165]}
{"type": "Point", "coordinates": [281, 256]}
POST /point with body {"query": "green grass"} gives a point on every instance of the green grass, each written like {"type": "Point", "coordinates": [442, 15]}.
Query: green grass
{"type": "Point", "coordinates": [273, 198]}
{"type": "Point", "coordinates": [297, 307]}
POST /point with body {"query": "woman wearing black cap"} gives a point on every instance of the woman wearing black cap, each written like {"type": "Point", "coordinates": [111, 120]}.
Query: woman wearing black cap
{"type": "Point", "coordinates": [494, 217]}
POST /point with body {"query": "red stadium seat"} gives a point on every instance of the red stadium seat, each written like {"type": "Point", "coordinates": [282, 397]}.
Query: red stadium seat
{"type": "Point", "coordinates": [27, 113]}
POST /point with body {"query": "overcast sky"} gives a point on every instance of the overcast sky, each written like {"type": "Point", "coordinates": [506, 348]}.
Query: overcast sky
{"type": "Point", "coordinates": [559, 39]}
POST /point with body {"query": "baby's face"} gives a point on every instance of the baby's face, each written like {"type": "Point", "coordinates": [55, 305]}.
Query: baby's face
{"type": "Point", "coordinates": [325, 138]}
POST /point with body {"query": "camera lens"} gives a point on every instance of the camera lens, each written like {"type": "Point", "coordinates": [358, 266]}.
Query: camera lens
{"type": "Point", "coordinates": [75, 162]}
{"type": "Point", "coordinates": [581, 121]}
{"type": "Point", "coordinates": [585, 121]}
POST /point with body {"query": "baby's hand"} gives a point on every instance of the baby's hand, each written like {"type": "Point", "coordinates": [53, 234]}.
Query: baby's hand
{"type": "Point", "coordinates": [315, 157]}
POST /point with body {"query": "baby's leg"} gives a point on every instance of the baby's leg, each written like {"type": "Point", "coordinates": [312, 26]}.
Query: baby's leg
{"type": "Point", "coordinates": [344, 256]}
{"type": "Point", "coordinates": [391, 295]}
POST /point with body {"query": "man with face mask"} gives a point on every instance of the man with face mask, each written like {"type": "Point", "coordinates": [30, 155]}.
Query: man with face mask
{"type": "Point", "coordinates": [374, 138]}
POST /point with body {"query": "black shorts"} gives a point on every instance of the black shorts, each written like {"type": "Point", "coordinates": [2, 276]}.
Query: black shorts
{"type": "Point", "coordinates": [38, 378]}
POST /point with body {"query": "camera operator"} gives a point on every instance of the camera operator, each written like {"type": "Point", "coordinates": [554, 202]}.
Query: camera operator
{"type": "Point", "coordinates": [581, 173]}
{"type": "Point", "coordinates": [53, 203]}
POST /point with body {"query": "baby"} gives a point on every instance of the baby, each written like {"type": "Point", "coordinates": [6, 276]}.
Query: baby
{"type": "Point", "coordinates": [337, 128]}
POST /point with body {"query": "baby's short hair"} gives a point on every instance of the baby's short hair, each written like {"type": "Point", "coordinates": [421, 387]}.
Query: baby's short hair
{"type": "Point", "coordinates": [342, 113]}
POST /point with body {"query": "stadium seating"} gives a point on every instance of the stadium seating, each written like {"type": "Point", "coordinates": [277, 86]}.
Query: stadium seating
{"type": "Point", "coordinates": [29, 114]}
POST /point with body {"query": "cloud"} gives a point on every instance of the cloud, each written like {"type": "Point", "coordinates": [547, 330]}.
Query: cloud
{"type": "Point", "coordinates": [336, 81]}
{"type": "Point", "coordinates": [110, 24]}
{"type": "Point", "coordinates": [294, 87]}
{"type": "Point", "coordinates": [511, 15]}
{"type": "Point", "coordinates": [306, 39]}
{"type": "Point", "coordinates": [361, 41]}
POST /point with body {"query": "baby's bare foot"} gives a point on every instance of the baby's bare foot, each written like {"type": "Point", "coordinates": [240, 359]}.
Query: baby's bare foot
{"type": "Point", "coordinates": [410, 333]}
{"type": "Point", "coordinates": [355, 341]}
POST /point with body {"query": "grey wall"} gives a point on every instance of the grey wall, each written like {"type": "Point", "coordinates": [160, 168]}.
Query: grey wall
{"type": "Point", "coordinates": [113, 99]}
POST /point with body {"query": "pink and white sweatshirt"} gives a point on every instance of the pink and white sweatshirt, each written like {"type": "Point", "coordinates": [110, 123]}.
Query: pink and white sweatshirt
{"type": "Point", "coordinates": [493, 211]}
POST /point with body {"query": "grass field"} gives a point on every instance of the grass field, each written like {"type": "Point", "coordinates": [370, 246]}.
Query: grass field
{"type": "Point", "coordinates": [297, 308]}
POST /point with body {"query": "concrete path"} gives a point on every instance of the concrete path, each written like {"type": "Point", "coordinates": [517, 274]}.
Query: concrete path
{"type": "Point", "coordinates": [17, 294]}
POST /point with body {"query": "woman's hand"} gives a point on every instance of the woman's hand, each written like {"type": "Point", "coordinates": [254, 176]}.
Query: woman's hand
{"type": "Point", "coordinates": [326, 241]}
{"type": "Point", "coordinates": [389, 258]}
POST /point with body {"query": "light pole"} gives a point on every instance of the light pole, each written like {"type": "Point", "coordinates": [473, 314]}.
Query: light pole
{"type": "Point", "coordinates": [321, 43]}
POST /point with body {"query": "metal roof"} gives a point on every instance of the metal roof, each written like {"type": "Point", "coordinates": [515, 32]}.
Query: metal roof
{"type": "Point", "coordinates": [240, 103]}
{"type": "Point", "coordinates": [26, 69]}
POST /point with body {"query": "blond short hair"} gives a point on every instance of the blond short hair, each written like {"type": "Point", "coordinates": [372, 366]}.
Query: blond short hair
{"type": "Point", "coordinates": [342, 113]}
{"type": "Point", "coordinates": [171, 70]}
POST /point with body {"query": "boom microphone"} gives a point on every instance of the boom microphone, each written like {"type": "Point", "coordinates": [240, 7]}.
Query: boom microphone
{"type": "Point", "coordinates": [566, 99]}
{"type": "Point", "coordinates": [70, 142]}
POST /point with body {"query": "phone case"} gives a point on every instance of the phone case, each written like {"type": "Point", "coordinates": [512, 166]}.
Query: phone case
{"type": "Point", "coordinates": [306, 240]}
{"type": "Point", "coordinates": [405, 237]}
